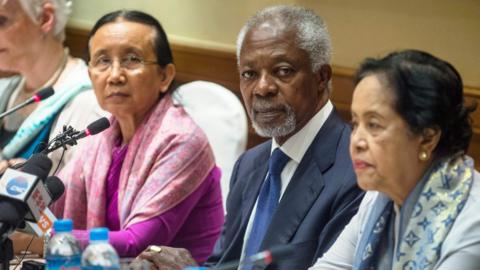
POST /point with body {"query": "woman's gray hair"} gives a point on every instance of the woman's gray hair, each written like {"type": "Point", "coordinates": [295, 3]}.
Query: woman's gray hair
{"type": "Point", "coordinates": [311, 31]}
{"type": "Point", "coordinates": [62, 9]}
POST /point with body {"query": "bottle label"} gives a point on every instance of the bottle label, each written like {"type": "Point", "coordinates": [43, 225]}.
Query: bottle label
{"type": "Point", "coordinates": [63, 263]}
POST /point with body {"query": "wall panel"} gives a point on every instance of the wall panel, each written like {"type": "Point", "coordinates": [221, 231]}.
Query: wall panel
{"type": "Point", "coordinates": [219, 66]}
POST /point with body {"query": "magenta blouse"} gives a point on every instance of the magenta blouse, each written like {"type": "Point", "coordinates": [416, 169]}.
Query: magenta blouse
{"type": "Point", "coordinates": [193, 224]}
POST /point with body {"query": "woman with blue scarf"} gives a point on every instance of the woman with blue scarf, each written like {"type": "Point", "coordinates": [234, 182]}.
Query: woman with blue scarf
{"type": "Point", "coordinates": [411, 131]}
{"type": "Point", "coordinates": [31, 45]}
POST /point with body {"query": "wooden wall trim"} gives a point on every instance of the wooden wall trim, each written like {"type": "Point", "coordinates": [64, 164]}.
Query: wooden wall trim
{"type": "Point", "coordinates": [219, 66]}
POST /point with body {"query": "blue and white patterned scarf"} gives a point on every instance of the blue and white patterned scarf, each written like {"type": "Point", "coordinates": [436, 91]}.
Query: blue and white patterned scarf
{"type": "Point", "coordinates": [441, 200]}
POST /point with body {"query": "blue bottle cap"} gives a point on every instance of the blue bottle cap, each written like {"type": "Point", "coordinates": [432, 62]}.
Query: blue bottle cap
{"type": "Point", "coordinates": [195, 268]}
{"type": "Point", "coordinates": [63, 225]}
{"type": "Point", "coordinates": [99, 234]}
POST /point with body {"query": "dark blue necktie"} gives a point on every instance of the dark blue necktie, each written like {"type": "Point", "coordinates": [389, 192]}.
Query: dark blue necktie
{"type": "Point", "coordinates": [267, 202]}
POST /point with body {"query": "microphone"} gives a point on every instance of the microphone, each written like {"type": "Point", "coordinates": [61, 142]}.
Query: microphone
{"type": "Point", "coordinates": [94, 128]}
{"type": "Point", "coordinates": [38, 164]}
{"type": "Point", "coordinates": [69, 136]}
{"type": "Point", "coordinates": [11, 215]}
{"type": "Point", "coordinates": [21, 193]}
{"type": "Point", "coordinates": [26, 187]}
{"type": "Point", "coordinates": [263, 258]}
{"type": "Point", "coordinates": [56, 189]}
{"type": "Point", "coordinates": [39, 96]}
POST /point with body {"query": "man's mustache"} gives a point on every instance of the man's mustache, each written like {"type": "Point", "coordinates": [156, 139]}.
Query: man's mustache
{"type": "Point", "coordinates": [261, 105]}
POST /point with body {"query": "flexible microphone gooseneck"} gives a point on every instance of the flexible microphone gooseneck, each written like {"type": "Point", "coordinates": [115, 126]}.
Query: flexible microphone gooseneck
{"type": "Point", "coordinates": [39, 96]}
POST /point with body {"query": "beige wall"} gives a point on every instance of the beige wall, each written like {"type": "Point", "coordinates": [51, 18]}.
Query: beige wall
{"type": "Point", "coordinates": [447, 28]}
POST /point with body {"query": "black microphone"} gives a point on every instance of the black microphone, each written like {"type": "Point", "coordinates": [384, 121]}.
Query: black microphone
{"type": "Point", "coordinates": [69, 136]}
{"type": "Point", "coordinates": [22, 193]}
{"type": "Point", "coordinates": [56, 189]}
{"type": "Point", "coordinates": [95, 127]}
{"type": "Point", "coordinates": [10, 217]}
{"type": "Point", "coordinates": [39, 96]}
{"type": "Point", "coordinates": [38, 164]}
{"type": "Point", "coordinates": [263, 258]}
{"type": "Point", "coordinates": [26, 186]}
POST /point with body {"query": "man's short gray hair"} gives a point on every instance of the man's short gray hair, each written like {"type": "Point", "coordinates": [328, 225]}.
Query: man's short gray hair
{"type": "Point", "coordinates": [34, 9]}
{"type": "Point", "coordinates": [311, 31]}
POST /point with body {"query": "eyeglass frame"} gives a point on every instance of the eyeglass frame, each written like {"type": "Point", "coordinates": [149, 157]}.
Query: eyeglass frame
{"type": "Point", "coordinates": [142, 63]}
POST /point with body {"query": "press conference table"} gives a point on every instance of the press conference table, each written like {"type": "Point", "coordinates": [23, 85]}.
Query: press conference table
{"type": "Point", "coordinates": [35, 260]}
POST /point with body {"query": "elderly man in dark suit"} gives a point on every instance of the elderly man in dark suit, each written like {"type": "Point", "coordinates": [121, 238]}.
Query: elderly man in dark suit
{"type": "Point", "coordinates": [298, 188]}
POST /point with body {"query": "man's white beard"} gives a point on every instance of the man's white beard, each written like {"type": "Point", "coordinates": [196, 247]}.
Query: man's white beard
{"type": "Point", "coordinates": [287, 127]}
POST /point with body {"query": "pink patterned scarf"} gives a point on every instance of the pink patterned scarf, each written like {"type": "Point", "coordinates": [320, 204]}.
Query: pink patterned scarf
{"type": "Point", "coordinates": [167, 159]}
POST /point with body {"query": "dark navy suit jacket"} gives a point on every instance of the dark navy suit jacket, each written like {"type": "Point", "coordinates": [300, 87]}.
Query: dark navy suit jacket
{"type": "Point", "coordinates": [320, 200]}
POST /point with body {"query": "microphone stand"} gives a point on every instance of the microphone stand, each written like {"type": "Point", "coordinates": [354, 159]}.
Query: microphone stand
{"type": "Point", "coordinates": [67, 137]}
{"type": "Point", "coordinates": [6, 254]}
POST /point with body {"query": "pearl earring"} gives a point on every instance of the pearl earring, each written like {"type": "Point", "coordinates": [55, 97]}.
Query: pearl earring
{"type": "Point", "coordinates": [423, 156]}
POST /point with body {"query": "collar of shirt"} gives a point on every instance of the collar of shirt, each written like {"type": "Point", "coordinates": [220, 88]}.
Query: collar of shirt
{"type": "Point", "coordinates": [296, 146]}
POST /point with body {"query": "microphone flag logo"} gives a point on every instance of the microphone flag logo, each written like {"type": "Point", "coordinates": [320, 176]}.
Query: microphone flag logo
{"type": "Point", "coordinates": [17, 185]}
{"type": "Point", "coordinates": [28, 189]}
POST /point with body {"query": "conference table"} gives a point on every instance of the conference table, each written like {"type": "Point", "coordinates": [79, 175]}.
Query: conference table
{"type": "Point", "coordinates": [35, 262]}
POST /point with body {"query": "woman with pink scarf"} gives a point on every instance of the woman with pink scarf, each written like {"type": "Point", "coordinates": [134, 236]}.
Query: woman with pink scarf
{"type": "Point", "coordinates": [151, 177]}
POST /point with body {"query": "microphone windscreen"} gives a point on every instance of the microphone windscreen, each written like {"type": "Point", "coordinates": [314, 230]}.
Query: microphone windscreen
{"type": "Point", "coordinates": [12, 211]}
{"type": "Point", "coordinates": [45, 93]}
{"type": "Point", "coordinates": [281, 252]}
{"type": "Point", "coordinates": [55, 187]}
{"type": "Point", "coordinates": [98, 126]}
{"type": "Point", "coordinates": [38, 165]}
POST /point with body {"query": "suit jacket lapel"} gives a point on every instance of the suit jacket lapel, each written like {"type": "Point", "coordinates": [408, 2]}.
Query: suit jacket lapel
{"type": "Point", "coordinates": [252, 189]}
{"type": "Point", "coordinates": [253, 183]}
{"type": "Point", "coordinates": [306, 183]}
{"type": "Point", "coordinates": [301, 193]}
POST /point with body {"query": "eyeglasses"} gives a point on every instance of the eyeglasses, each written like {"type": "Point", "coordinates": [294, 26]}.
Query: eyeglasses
{"type": "Point", "coordinates": [128, 62]}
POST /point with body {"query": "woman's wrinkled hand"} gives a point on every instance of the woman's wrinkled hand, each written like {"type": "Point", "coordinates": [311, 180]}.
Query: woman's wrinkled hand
{"type": "Point", "coordinates": [167, 258]}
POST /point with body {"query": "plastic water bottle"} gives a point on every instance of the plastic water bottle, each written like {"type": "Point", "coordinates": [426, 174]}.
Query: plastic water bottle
{"type": "Point", "coordinates": [63, 250]}
{"type": "Point", "coordinates": [99, 254]}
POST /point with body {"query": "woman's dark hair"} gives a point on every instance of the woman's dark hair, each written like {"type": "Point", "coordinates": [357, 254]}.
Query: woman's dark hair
{"type": "Point", "coordinates": [428, 93]}
{"type": "Point", "coordinates": [160, 43]}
